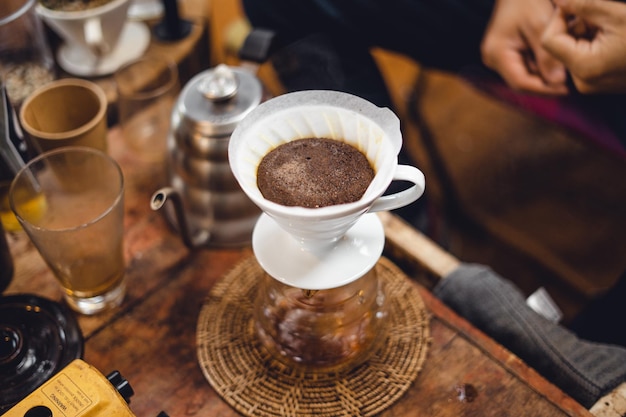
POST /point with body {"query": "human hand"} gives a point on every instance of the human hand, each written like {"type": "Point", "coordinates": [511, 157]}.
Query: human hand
{"type": "Point", "coordinates": [596, 59]}
{"type": "Point", "coordinates": [512, 47]}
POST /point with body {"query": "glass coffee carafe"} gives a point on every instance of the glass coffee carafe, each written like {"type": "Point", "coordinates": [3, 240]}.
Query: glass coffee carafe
{"type": "Point", "coordinates": [322, 328]}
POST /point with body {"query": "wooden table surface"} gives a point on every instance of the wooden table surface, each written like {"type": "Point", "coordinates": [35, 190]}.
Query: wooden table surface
{"type": "Point", "coordinates": [150, 339]}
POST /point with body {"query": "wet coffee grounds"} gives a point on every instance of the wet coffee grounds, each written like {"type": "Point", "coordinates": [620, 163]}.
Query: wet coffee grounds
{"type": "Point", "coordinates": [314, 172]}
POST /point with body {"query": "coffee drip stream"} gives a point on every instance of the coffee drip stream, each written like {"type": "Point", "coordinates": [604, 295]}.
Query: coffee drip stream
{"type": "Point", "coordinates": [321, 303]}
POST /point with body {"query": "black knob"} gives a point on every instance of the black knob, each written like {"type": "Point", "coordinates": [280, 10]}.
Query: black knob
{"type": "Point", "coordinates": [39, 411]}
{"type": "Point", "coordinates": [172, 27]}
{"type": "Point", "coordinates": [121, 385]}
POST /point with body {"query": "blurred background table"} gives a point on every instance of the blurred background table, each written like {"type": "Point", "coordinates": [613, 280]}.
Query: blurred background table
{"type": "Point", "coordinates": [150, 339]}
{"type": "Point", "coordinates": [192, 53]}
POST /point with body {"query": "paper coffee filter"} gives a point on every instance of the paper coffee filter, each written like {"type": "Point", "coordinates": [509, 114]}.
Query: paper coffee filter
{"type": "Point", "coordinates": [339, 116]}
{"type": "Point", "coordinates": [78, 14]}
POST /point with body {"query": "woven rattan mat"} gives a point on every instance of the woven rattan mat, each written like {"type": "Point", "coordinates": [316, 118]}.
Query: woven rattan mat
{"type": "Point", "coordinates": [248, 378]}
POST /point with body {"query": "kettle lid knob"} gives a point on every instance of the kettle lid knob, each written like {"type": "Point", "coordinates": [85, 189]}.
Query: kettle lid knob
{"type": "Point", "coordinates": [214, 101]}
{"type": "Point", "coordinates": [220, 84]}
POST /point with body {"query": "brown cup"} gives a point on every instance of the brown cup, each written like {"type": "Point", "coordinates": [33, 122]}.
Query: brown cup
{"type": "Point", "coordinates": [66, 112]}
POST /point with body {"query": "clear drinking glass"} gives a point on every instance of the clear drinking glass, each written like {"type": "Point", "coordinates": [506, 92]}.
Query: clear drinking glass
{"type": "Point", "coordinates": [7, 218]}
{"type": "Point", "coordinates": [70, 202]}
{"type": "Point", "coordinates": [6, 261]}
{"type": "Point", "coordinates": [146, 91]}
{"type": "Point", "coordinates": [26, 61]}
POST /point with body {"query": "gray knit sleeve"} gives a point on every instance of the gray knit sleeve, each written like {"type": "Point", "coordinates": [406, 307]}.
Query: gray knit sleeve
{"type": "Point", "coordinates": [584, 370]}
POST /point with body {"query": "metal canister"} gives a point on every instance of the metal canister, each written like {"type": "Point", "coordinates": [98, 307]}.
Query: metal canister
{"type": "Point", "coordinates": [209, 207]}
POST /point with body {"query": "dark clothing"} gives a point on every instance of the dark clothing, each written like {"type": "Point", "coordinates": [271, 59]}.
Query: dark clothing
{"type": "Point", "coordinates": [326, 44]}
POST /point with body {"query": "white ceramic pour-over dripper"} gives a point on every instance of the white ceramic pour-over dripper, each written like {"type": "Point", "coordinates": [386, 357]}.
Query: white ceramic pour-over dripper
{"type": "Point", "coordinates": [95, 30]}
{"type": "Point", "coordinates": [96, 40]}
{"type": "Point", "coordinates": [323, 114]}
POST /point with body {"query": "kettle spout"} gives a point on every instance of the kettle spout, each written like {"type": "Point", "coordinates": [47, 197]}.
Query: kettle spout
{"type": "Point", "coordinates": [160, 197]}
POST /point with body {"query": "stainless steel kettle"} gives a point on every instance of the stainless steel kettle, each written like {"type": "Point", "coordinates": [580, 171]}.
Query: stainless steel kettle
{"type": "Point", "coordinates": [207, 205]}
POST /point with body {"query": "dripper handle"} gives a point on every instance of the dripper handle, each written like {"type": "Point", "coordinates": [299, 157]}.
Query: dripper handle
{"type": "Point", "coordinates": [94, 37]}
{"type": "Point", "coordinates": [405, 197]}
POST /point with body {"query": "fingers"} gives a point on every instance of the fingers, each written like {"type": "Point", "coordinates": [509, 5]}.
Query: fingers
{"type": "Point", "coordinates": [518, 74]}
{"type": "Point", "coordinates": [557, 40]}
{"type": "Point", "coordinates": [547, 66]}
{"type": "Point", "coordinates": [521, 80]}
{"type": "Point", "coordinates": [520, 70]}
{"type": "Point", "coordinates": [575, 40]}
{"type": "Point", "coordinates": [589, 10]}
{"type": "Point", "coordinates": [594, 53]}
